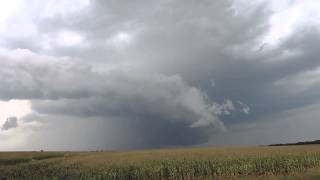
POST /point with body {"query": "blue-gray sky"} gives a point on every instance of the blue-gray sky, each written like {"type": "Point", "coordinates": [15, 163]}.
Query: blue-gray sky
{"type": "Point", "coordinates": [110, 74]}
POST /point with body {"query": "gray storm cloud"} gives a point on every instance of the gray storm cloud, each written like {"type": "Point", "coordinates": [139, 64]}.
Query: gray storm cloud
{"type": "Point", "coordinates": [140, 74]}
{"type": "Point", "coordinates": [10, 123]}
{"type": "Point", "coordinates": [67, 87]}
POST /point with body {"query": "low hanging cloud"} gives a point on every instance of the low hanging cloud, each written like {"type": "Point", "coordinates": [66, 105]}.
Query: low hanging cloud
{"type": "Point", "coordinates": [10, 123]}
{"type": "Point", "coordinates": [69, 88]}
{"type": "Point", "coordinates": [153, 96]}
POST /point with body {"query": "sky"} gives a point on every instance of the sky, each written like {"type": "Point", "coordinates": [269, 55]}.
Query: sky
{"type": "Point", "coordinates": [119, 75]}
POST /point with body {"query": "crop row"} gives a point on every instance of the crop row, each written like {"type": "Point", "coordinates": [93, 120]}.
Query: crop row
{"type": "Point", "coordinates": [165, 169]}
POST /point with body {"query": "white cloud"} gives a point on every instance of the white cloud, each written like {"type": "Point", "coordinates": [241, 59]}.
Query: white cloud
{"type": "Point", "coordinates": [70, 38]}
{"type": "Point", "coordinates": [16, 20]}
{"type": "Point", "coordinates": [289, 15]}
{"type": "Point", "coordinates": [7, 9]}
{"type": "Point", "coordinates": [120, 40]}
{"type": "Point", "coordinates": [244, 107]}
{"type": "Point", "coordinates": [282, 24]}
{"type": "Point", "coordinates": [60, 7]}
{"type": "Point", "coordinates": [19, 20]}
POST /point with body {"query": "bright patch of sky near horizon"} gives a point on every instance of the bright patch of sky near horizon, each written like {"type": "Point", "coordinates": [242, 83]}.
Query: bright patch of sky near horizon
{"type": "Point", "coordinates": [17, 108]}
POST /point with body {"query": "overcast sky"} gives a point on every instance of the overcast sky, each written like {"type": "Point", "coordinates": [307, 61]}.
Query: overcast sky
{"type": "Point", "coordinates": [129, 74]}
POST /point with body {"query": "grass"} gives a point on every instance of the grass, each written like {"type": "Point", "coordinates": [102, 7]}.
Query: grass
{"type": "Point", "coordinates": [192, 163]}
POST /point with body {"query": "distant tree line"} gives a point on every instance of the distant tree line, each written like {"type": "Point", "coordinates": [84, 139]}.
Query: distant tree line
{"type": "Point", "coordinates": [298, 143]}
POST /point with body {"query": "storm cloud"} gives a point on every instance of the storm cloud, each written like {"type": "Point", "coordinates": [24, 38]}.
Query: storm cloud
{"type": "Point", "coordinates": [11, 122]}
{"type": "Point", "coordinates": [70, 88]}
{"type": "Point", "coordinates": [145, 74]}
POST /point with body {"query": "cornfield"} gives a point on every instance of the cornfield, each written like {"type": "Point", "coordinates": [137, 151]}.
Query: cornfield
{"type": "Point", "coordinates": [193, 163]}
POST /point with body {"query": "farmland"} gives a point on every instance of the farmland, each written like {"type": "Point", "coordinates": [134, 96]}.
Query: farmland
{"type": "Point", "coordinates": [191, 163]}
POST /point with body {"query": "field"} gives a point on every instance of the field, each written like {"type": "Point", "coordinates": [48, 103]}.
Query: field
{"type": "Point", "coordinates": [285, 162]}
